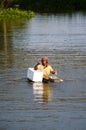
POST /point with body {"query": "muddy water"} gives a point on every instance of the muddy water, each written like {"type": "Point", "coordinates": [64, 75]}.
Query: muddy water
{"type": "Point", "coordinates": [34, 106]}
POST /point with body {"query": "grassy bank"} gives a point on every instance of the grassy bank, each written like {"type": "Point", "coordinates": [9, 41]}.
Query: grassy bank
{"type": "Point", "coordinates": [11, 13]}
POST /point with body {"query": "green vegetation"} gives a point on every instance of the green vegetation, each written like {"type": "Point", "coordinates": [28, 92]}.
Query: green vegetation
{"type": "Point", "coordinates": [15, 14]}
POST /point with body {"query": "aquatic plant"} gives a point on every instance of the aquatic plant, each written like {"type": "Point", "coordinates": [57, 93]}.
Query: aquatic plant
{"type": "Point", "coordinates": [11, 13]}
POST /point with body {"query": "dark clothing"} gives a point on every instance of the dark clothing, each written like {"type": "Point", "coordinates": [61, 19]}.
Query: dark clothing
{"type": "Point", "coordinates": [48, 80]}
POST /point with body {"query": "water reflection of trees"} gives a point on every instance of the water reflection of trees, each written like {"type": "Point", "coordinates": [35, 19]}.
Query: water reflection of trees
{"type": "Point", "coordinates": [5, 44]}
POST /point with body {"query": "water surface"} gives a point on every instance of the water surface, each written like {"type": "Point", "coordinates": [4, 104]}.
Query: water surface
{"type": "Point", "coordinates": [34, 106]}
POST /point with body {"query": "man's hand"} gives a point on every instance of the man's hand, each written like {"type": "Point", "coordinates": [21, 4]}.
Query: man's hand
{"type": "Point", "coordinates": [36, 66]}
{"type": "Point", "coordinates": [54, 72]}
{"type": "Point", "coordinates": [39, 61]}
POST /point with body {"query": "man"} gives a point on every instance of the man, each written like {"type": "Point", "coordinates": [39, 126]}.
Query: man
{"type": "Point", "coordinates": [46, 68]}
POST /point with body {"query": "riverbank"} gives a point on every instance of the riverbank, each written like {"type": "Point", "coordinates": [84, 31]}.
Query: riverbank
{"type": "Point", "coordinates": [11, 13]}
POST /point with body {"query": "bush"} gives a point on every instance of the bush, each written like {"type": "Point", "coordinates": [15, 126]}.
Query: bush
{"type": "Point", "coordinates": [11, 13]}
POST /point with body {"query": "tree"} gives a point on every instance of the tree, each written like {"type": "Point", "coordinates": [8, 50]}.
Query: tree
{"type": "Point", "coordinates": [5, 3]}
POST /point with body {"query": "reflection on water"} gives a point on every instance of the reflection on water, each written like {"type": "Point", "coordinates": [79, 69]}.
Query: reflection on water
{"type": "Point", "coordinates": [5, 35]}
{"type": "Point", "coordinates": [41, 92]}
{"type": "Point", "coordinates": [5, 49]}
{"type": "Point", "coordinates": [6, 41]}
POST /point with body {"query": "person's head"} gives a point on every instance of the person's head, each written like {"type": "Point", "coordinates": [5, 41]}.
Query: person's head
{"type": "Point", "coordinates": [44, 61]}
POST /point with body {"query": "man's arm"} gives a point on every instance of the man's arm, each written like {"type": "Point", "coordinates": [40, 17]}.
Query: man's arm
{"type": "Point", "coordinates": [36, 66]}
{"type": "Point", "coordinates": [54, 72]}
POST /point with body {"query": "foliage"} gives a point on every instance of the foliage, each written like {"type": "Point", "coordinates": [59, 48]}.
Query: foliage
{"type": "Point", "coordinates": [15, 13]}
{"type": "Point", "coordinates": [5, 3]}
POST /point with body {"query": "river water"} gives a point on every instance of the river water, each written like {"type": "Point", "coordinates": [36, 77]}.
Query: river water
{"type": "Point", "coordinates": [34, 106]}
